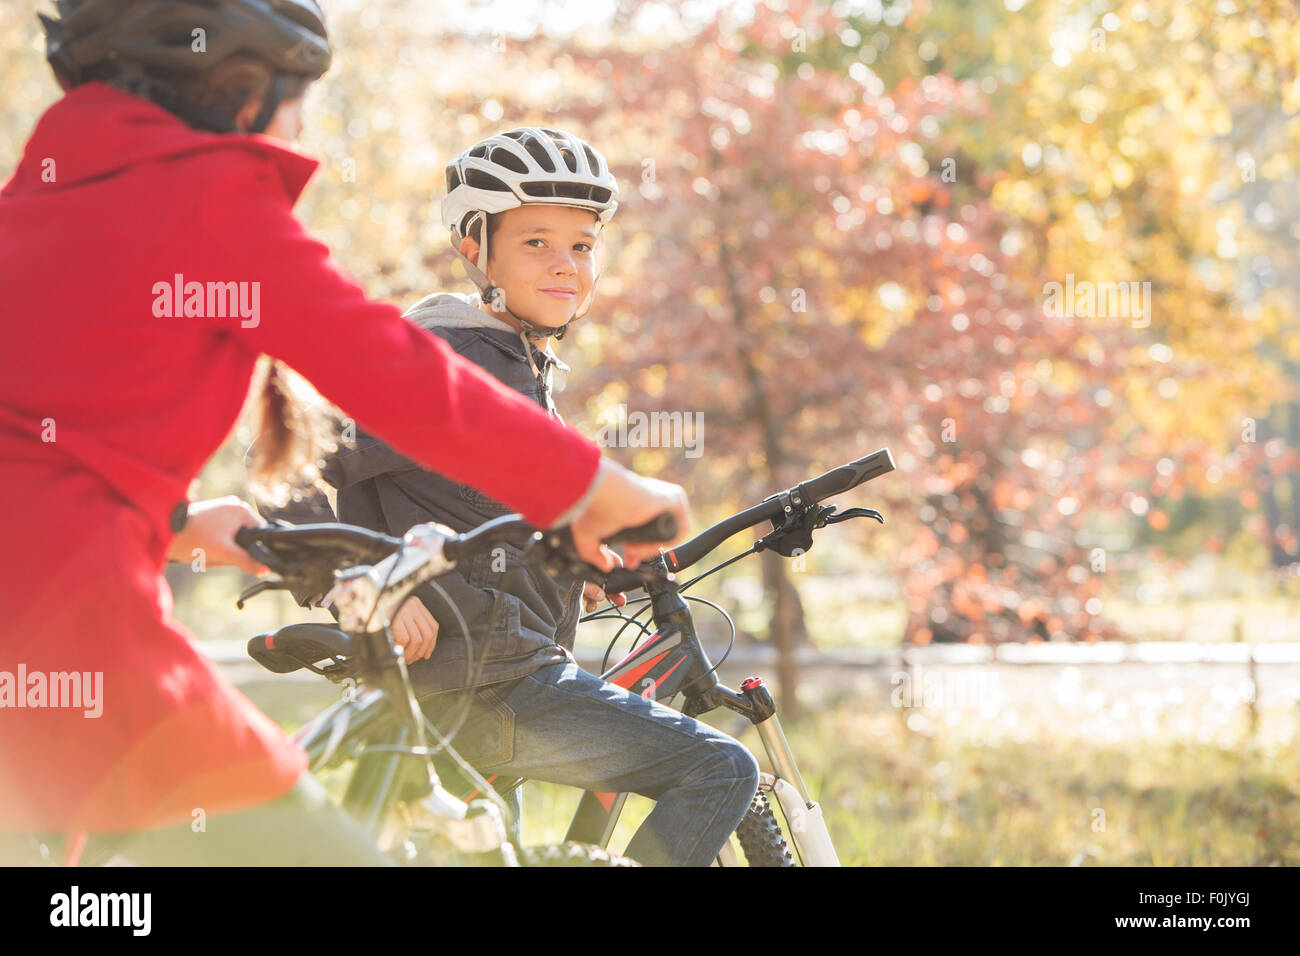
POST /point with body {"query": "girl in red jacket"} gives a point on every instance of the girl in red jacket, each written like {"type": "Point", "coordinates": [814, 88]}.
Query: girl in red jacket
{"type": "Point", "coordinates": [148, 256]}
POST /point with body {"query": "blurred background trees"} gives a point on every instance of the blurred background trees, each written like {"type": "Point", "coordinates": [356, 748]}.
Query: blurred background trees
{"type": "Point", "coordinates": [838, 225]}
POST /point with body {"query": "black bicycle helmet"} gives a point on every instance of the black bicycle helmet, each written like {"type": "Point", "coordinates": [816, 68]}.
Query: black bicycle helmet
{"type": "Point", "coordinates": [149, 42]}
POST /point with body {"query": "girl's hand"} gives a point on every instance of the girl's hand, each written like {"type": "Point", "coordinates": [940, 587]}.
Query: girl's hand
{"type": "Point", "coordinates": [211, 528]}
{"type": "Point", "coordinates": [624, 499]}
{"type": "Point", "coordinates": [415, 630]}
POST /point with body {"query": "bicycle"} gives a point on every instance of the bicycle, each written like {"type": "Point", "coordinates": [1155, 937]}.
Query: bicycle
{"type": "Point", "coordinates": [671, 662]}
{"type": "Point", "coordinates": [668, 663]}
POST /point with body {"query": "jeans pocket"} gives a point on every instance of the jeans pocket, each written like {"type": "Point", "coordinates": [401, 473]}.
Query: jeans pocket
{"type": "Point", "coordinates": [487, 737]}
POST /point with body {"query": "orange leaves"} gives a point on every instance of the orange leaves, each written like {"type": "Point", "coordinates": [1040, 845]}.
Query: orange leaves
{"type": "Point", "coordinates": [918, 191]}
{"type": "Point", "coordinates": [965, 604]}
{"type": "Point", "coordinates": [1031, 609]}
{"type": "Point", "coordinates": [924, 545]}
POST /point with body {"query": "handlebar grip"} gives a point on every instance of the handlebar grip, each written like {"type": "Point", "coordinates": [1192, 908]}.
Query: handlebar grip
{"type": "Point", "coordinates": [841, 479]}
{"type": "Point", "coordinates": [247, 538]}
{"type": "Point", "coordinates": [662, 527]}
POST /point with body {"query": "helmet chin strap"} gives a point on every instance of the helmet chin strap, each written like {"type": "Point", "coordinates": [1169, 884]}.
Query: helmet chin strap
{"type": "Point", "coordinates": [270, 104]}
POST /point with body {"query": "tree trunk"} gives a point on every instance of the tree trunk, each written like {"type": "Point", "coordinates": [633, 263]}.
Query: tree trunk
{"type": "Point", "coordinates": [787, 626]}
{"type": "Point", "coordinates": [1293, 480]}
{"type": "Point", "coordinates": [787, 629]}
{"type": "Point", "coordinates": [1265, 430]}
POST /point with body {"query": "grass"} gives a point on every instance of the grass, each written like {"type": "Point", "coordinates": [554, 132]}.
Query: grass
{"type": "Point", "coordinates": [1124, 783]}
{"type": "Point", "coordinates": [1151, 778]}
{"type": "Point", "coordinates": [947, 796]}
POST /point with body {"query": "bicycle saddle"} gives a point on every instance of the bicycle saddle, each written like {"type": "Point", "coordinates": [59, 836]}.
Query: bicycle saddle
{"type": "Point", "coordinates": [297, 646]}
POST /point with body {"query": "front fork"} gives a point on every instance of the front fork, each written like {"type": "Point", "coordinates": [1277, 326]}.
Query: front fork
{"type": "Point", "coordinates": [673, 663]}
{"type": "Point", "coordinates": [806, 823]}
{"type": "Point", "coordinates": [398, 769]}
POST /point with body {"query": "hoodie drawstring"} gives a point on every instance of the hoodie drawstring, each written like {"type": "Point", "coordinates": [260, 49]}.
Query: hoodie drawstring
{"type": "Point", "coordinates": [528, 350]}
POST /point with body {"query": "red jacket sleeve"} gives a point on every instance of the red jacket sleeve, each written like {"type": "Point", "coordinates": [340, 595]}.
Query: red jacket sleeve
{"type": "Point", "coordinates": [394, 378]}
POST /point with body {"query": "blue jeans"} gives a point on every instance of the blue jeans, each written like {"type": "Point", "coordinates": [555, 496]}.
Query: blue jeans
{"type": "Point", "coordinates": [563, 725]}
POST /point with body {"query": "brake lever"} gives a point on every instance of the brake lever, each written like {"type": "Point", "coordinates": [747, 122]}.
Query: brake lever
{"type": "Point", "coordinates": [794, 535]}
{"type": "Point", "coordinates": [257, 588]}
{"type": "Point", "coordinates": [854, 513]}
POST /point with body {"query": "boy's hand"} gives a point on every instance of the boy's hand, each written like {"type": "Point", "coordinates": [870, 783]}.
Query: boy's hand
{"type": "Point", "coordinates": [593, 594]}
{"type": "Point", "coordinates": [624, 499]}
{"type": "Point", "coordinates": [415, 630]}
{"type": "Point", "coordinates": [210, 527]}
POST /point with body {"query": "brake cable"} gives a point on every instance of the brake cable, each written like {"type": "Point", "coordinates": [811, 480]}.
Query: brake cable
{"type": "Point", "coordinates": [618, 615]}
{"type": "Point", "coordinates": [468, 770]}
{"type": "Point", "coordinates": [470, 672]}
{"type": "Point", "coordinates": [461, 714]}
{"type": "Point", "coordinates": [730, 643]}
{"type": "Point", "coordinates": [365, 627]}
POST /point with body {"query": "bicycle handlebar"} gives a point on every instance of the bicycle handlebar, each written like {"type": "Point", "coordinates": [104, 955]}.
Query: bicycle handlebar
{"type": "Point", "coordinates": [806, 493]}
{"type": "Point", "coordinates": [273, 545]}
{"type": "Point", "coordinates": [298, 550]}
{"type": "Point", "coordinates": [308, 556]}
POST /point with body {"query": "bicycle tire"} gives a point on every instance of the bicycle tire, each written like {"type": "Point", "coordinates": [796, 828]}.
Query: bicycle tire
{"type": "Point", "coordinates": [760, 836]}
{"type": "Point", "coordinates": [571, 854]}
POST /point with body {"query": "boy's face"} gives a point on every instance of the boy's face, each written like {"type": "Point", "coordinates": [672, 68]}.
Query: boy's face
{"type": "Point", "coordinates": [543, 257]}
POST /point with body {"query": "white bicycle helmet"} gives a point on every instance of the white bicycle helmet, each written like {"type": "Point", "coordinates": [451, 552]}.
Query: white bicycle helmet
{"type": "Point", "coordinates": [525, 166]}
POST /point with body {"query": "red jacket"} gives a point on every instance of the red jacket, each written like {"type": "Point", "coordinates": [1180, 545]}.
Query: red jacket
{"type": "Point", "coordinates": [114, 393]}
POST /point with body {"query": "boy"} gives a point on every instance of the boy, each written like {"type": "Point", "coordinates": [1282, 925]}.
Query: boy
{"type": "Point", "coordinates": [524, 209]}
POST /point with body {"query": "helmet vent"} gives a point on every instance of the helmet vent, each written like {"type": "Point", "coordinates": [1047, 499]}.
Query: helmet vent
{"type": "Point", "coordinates": [538, 152]}
{"type": "Point", "coordinates": [481, 180]}
{"type": "Point", "coordinates": [503, 157]}
{"type": "Point", "coordinates": [572, 190]}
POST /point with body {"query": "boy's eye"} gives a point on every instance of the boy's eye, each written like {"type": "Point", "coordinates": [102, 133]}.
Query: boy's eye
{"type": "Point", "coordinates": [583, 246]}
{"type": "Point", "coordinates": [540, 243]}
